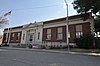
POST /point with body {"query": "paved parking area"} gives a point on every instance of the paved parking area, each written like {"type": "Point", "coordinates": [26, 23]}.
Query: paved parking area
{"type": "Point", "coordinates": [38, 58]}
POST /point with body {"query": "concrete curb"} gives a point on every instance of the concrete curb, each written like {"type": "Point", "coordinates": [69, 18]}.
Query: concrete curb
{"type": "Point", "coordinates": [52, 51]}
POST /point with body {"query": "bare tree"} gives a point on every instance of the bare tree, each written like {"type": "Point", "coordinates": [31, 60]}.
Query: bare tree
{"type": "Point", "coordinates": [3, 22]}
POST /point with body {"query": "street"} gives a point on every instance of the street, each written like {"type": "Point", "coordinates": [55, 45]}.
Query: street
{"type": "Point", "coordinates": [34, 58]}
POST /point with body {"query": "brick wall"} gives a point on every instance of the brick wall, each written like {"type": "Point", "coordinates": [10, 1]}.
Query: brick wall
{"type": "Point", "coordinates": [13, 39]}
{"type": "Point", "coordinates": [72, 29]}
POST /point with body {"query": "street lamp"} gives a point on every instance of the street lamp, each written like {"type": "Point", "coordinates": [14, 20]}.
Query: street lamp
{"type": "Point", "coordinates": [67, 21]}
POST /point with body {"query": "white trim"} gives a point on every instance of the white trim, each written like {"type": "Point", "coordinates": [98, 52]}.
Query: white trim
{"type": "Point", "coordinates": [63, 23]}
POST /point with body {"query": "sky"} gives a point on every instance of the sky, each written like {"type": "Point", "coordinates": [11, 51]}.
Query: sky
{"type": "Point", "coordinates": [27, 11]}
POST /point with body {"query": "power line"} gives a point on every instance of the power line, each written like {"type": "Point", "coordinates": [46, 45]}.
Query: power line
{"type": "Point", "coordinates": [33, 8]}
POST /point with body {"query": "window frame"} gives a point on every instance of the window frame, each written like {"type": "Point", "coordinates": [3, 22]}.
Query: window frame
{"type": "Point", "coordinates": [79, 31]}
{"type": "Point", "coordinates": [18, 36]}
{"type": "Point", "coordinates": [48, 35]}
{"type": "Point", "coordinates": [79, 34]}
{"type": "Point", "coordinates": [59, 34]}
{"type": "Point", "coordinates": [12, 36]}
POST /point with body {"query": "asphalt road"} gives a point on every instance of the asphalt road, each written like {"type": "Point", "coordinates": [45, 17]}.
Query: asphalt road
{"type": "Point", "coordinates": [34, 58]}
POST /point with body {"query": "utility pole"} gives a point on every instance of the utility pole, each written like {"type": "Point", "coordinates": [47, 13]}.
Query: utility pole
{"type": "Point", "coordinates": [67, 21]}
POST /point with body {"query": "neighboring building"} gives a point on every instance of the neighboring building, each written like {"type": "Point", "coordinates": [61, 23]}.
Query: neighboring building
{"type": "Point", "coordinates": [49, 33]}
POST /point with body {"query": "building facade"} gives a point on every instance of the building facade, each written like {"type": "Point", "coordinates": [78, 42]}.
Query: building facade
{"type": "Point", "coordinates": [51, 32]}
{"type": "Point", "coordinates": [32, 33]}
{"type": "Point", "coordinates": [12, 35]}
{"type": "Point", "coordinates": [54, 31]}
{"type": "Point", "coordinates": [22, 35]}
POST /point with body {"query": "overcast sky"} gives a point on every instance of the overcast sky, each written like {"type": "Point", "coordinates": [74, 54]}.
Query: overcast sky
{"type": "Point", "coordinates": [26, 11]}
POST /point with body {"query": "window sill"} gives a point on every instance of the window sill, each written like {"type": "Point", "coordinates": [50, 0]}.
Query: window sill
{"type": "Point", "coordinates": [59, 39]}
{"type": "Point", "coordinates": [48, 39]}
{"type": "Point", "coordinates": [17, 40]}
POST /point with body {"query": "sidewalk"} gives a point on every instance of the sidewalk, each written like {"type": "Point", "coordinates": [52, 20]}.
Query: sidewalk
{"type": "Point", "coordinates": [53, 51]}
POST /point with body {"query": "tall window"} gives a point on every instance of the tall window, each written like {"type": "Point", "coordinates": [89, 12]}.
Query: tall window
{"type": "Point", "coordinates": [18, 36]}
{"type": "Point", "coordinates": [13, 35]}
{"type": "Point", "coordinates": [48, 34]}
{"type": "Point", "coordinates": [6, 36]}
{"type": "Point", "coordinates": [38, 35]}
{"type": "Point", "coordinates": [59, 33]}
{"type": "Point", "coordinates": [79, 32]}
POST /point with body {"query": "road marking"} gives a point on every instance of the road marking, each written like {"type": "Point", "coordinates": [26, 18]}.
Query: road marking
{"type": "Point", "coordinates": [2, 50]}
{"type": "Point", "coordinates": [56, 64]}
{"type": "Point", "coordinates": [23, 61]}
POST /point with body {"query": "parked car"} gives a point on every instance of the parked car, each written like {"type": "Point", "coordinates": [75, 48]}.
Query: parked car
{"type": "Point", "coordinates": [36, 46]}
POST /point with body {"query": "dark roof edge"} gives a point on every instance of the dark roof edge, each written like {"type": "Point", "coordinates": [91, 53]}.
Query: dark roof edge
{"type": "Point", "coordinates": [64, 18]}
{"type": "Point", "coordinates": [13, 27]}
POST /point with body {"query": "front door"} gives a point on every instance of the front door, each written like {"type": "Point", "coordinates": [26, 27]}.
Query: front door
{"type": "Point", "coordinates": [31, 38]}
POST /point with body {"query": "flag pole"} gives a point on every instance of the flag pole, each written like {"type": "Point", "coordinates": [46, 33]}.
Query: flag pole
{"type": "Point", "coordinates": [8, 32]}
{"type": "Point", "coordinates": [9, 35]}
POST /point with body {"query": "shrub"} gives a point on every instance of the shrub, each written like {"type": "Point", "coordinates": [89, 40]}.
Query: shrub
{"type": "Point", "coordinates": [97, 43]}
{"type": "Point", "coordinates": [85, 41]}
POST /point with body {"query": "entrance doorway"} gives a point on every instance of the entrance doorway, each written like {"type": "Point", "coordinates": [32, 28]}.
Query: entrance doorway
{"type": "Point", "coordinates": [31, 38]}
